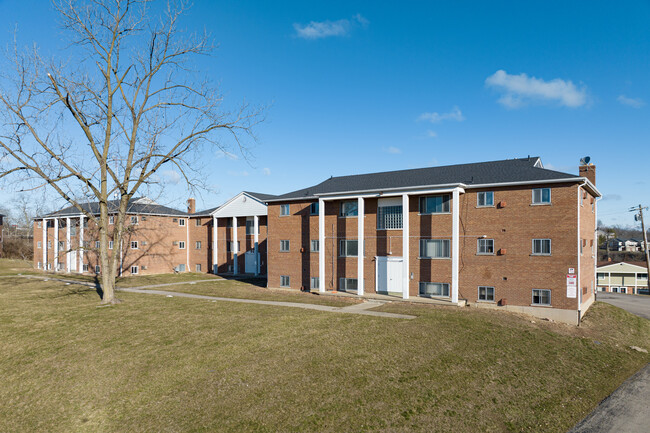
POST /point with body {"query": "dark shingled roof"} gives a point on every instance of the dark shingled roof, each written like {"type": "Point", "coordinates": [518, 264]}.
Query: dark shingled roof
{"type": "Point", "coordinates": [509, 170]}
{"type": "Point", "coordinates": [140, 205]}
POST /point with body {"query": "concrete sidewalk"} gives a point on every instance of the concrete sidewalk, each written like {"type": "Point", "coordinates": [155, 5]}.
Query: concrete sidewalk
{"type": "Point", "coordinates": [625, 410]}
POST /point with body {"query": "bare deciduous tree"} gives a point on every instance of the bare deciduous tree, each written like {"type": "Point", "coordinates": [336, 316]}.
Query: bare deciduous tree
{"type": "Point", "coordinates": [125, 104]}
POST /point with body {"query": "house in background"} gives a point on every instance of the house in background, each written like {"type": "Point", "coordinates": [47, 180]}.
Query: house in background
{"type": "Point", "coordinates": [622, 277]}
{"type": "Point", "coordinates": [501, 234]}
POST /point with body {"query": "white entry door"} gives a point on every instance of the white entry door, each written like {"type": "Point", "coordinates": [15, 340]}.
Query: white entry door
{"type": "Point", "coordinates": [389, 271]}
{"type": "Point", "coordinates": [250, 263]}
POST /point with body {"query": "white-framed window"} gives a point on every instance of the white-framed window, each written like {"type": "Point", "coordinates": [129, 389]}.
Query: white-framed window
{"type": "Point", "coordinates": [97, 244]}
{"type": "Point", "coordinates": [39, 265]}
{"type": "Point", "coordinates": [110, 245]}
{"type": "Point", "coordinates": [389, 217]}
{"type": "Point", "coordinates": [198, 222]}
{"type": "Point", "coordinates": [434, 248]}
{"type": "Point", "coordinates": [284, 246]}
{"type": "Point", "coordinates": [181, 222]}
{"type": "Point", "coordinates": [643, 277]}
{"type": "Point", "coordinates": [61, 245]}
{"type": "Point", "coordinates": [486, 293]}
{"type": "Point", "coordinates": [198, 245]}
{"type": "Point", "coordinates": [541, 297]}
{"type": "Point", "coordinates": [49, 266]}
{"type": "Point", "coordinates": [285, 210]}
{"type": "Point", "coordinates": [97, 269]}
{"type": "Point", "coordinates": [111, 219]}
{"type": "Point", "coordinates": [198, 267]}
{"type": "Point", "coordinates": [84, 267]}
{"type": "Point", "coordinates": [39, 224]}
{"type": "Point", "coordinates": [134, 270]}
{"type": "Point", "coordinates": [541, 247]}
{"type": "Point", "coordinates": [314, 245]}
{"type": "Point", "coordinates": [485, 199]}
{"type": "Point", "coordinates": [181, 267]}
{"type": "Point", "coordinates": [314, 283]}
{"type": "Point", "coordinates": [134, 245]}
{"type": "Point", "coordinates": [485, 246]}
{"type": "Point", "coordinates": [181, 245]}
{"type": "Point", "coordinates": [602, 276]}
{"type": "Point", "coordinates": [285, 281]}
{"type": "Point", "coordinates": [349, 208]}
{"type": "Point", "coordinates": [313, 208]}
{"type": "Point", "coordinates": [134, 219]}
{"type": "Point", "coordinates": [542, 196]}
{"type": "Point", "coordinates": [348, 284]}
{"type": "Point", "coordinates": [230, 247]}
{"type": "Point", "coordinates": [434, 289]}
{"type": "Point", "coordinates": [348, 248]}
{"type": "Point", "coordinates": [39, 244]}
{"type": "Point", "coordinates": [435, 204]}
{"type": "Point", "coordinates": [49, 245]}
{"type": "Point", "coordinates": [250, 227]}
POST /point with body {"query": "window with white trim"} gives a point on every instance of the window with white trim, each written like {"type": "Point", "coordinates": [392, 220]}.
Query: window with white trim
{"type": "Point", "coordinates": [111, 219]}
{"type": "Point", "coordinates": [39, 244]}
{"type": "Point", "coordinates": [181, 222]}
{"type": "Point", "coordinates": [198, 222]}
{"type": "Point", "coordinates": [284, 246]}
{"type": "Point", "coordinates": [198, 267]}
{"type": "Point", "coordinates": [181, 245]}
{"type": "Point", "coordinates": [349, 209]}
{"type": "Point", "coordinates": [348, 284]}
{"type": "Point", "coordinates": [389, 217]}
{"type": "Point", "coordinates": [61, 245]}
{"type": "Point", "coordinates": [38, 266]}
{"type": "Point", "coordinates": [434, 289]}
{"type": "Point", "coordinates": [541, 297]}
{"type": "Point", "coordinates": [230, 247]}
{"type": "Point", "coordinates": [49, 245]}
{"type": "Point", "coordinates": [485, 246]}
{"type": "Point", "coordinates": [434, 248]}
{"type": "Point", "coordinates": [134, 219]}
{"type": "Point", "coordinates": [435, 204]}
{"type": "Point", "coordinates": [197, 245]}
{"type": "Point", "coordinates": [348, 248]}
{"type": "Point", "coordinates": [542, 196]}
{"type": "Point", "coordinates": [39, 224]}
{"type": "Point", "coordinates": [97, 244]}
{"type": "Point", "coordinates": [285, 281]}
{"type": "Point", "coordinates": [486, 293]}
{"type": "Point", "coordinates": [314, 245]}
{"type": "Point", "coordinates": [314, 283]}
{"type": "Point", "coordinates": [313, 208]}
{"type": "Point", "coordinates": [110, 245]}
{"type": "Point", "coordinates": [134, 270]}
{"type": "Point", "coordinates": [97, 269]}
{"type": "Point", "coordinates": [541, 247]}
{"type": "Point", "coordinates": [134, 245]}
{"type": "Point", "coordinates": [485, 199]}
{"type": "Point", "coordinates": [285, 210]}
{"type": "Point", "coordinates": [181, 267]}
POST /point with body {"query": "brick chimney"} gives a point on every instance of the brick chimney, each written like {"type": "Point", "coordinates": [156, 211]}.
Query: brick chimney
{"type": "Point", "coordinates": [588, 171]}
{"type": "Point", "coordinates": [191, 205]}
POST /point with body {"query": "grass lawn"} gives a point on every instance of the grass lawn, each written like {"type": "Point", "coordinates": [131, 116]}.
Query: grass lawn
{"type": "Point", "coordinates": [173, 364]}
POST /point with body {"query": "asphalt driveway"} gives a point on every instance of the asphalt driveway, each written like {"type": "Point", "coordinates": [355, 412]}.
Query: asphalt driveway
{"type": "Point", "coordinates": [635, 304]}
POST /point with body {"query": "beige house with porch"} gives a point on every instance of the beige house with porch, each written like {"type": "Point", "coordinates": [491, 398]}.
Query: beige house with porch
{"type": "Point", "coordinates": [622, 277]}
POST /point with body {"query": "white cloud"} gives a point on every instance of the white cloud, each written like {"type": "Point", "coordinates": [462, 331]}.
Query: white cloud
{"type": "Point", "coordinates": [325, 29]}
{"type": "Point", "coordinates": [519, 90]}
{"type": "Point", "coordinates": [632, 102]}
{"type": "Point", "coordinates": [394, 150]}
{"type": "Point", "coordinates": [171, 176]}
{"type": "Point", "coordinates": [266, 171]}
{"type": "Point", "coordinates": [435, 117]}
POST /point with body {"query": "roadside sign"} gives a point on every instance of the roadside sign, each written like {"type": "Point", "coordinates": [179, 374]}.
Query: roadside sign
{"type": "Point", "coordinates": [571, 286]}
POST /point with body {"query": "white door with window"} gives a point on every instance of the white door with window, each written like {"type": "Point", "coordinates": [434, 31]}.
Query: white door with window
{"type": "Point", "coordinates": [250, 263]}
{"type": "Point", "coordinates": [389, 272]}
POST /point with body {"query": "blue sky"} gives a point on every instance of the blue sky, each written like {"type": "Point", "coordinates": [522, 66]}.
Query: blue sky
{"type": "Point", "coordinates": [356, 87]}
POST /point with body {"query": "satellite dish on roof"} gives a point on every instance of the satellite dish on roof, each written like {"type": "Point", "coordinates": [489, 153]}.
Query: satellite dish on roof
{"type": "Point", "coordinates": [585, 160]}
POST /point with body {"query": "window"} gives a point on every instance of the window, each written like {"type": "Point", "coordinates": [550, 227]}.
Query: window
{"type": "Point", "coordinates": [349, 209]}
{"type": "Point", "coordinates": [602, 276]}
{"type": "Point", "coordinates": [348, 284]}
{"type": "Point", "coordinates": [313, 208]}
{"type": "Point", "coordinates": [198, 245]}
{"type": "Point", "coordinates": [285, 281]}
{"type": "Point", "coordinates": [642, 276]}
{"type": "Point", "coordinates": [314, 245]}
{"type": "Point", "coordinates": [134, 270]}
{"type": "Point", "coordinates": [86, 244]}
{"type": "Point", "coordinates": [198, 222]}
{"type": "Point", "coordinates": [111, 219]}
{"type": "Point", "coordinates": [314, 283]}
{"type": "Point", "coordinates": [61, 245]}
{"type": "Point", "coordinates": [73, 231]}
{"type": "Point", "coordinates": [434, 289]}
{"type": "Point", "coordinates": [435, 204]}
{"type": "Point", "coordinates": [39, 224]}
{"type": "Point", "coordinates": [181, 267]}
{"type": "Point", "coordinates": [198, 267]}
{"type": "Point", "coordinates": [49, 245]}
{"type": "Point", "coordinates": [485, 199]}
{"type": "Point", "coordinates": [230, 247]}
{"type": "Point", "coordinates": [181, 245]}
{"type": "Point", "coordinates": [96, 244]}
{"type": "Point", "coordinates": [542, 247]}
{"type": "Point", "coordinates": [110, 245]}
{"type": "Point", "coordinates": [181, 222]}
{"type": "Point", "coordinates": [39, 244]}
{"type": "Point", "coordinates": [134, 219]}
{"type": "Point", "coordinates": [389, 217]}
{"type": "Point", "coordinates": [434, 248]}
{"type": "Point", "coordinates": [38, 266]}
{"type": "Point", "coordinates": [486, 293]}
{"type": "Point", "coordinates": [134, 245]}
{"type": "Point", "coordinates": [541, 297]}
{"type": "Point", "coordinates": [250, 227]}
{"type": "Point", "coordinates": [485, 246]}
{"type": "Point", "coordinates": [542, 196]}
{"type": "Point", "coordinates": [97, 269]}
{"type": "Point", "coordinates": [285, 210]}
{"type": "Point", "coordinates": [284, 246]}
{"type": "Point", "coordinates": [348, 248]}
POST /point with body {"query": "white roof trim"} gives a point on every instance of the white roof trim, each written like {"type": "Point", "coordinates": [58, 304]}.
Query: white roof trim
{"type": "Point", "coordinates": [234, 199]}
{"type": "Point", "coordinates": [622, 263]}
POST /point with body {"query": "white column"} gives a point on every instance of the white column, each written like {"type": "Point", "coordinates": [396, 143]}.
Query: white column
{"type": "Point", "coordinates": [44, 244]}
{"type": "Point", "coordinates": [235, 267]}
{"type": "Point", "coordinates": [361, 245]}
{"type": "Point", "coordinates": [321, 245]}
{"type": "Point", "coordinates": [634, 292]}
{"type": "Point", "coordinates": [609, 281]}
{"type": "Point", "coordinates": [56, 245]}
{"type": "Point", "coordinates": [187, 244]}
{"type": "Point", "coordinates": [455, 243]}
{"type": "Point", "coordinates": [256, 239]}
{"type": "Point", "coordinates": [215, 245]}
{"type": "Point", "coordinates": [81, 244]}
{"type": "Point", "coordinates": [406, 272]}
{"type": "Point", "coordinates": [68, 254]}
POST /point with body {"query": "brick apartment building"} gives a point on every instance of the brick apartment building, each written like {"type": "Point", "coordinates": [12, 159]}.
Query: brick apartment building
{"type": "Point", "coordinates": [503, 234]}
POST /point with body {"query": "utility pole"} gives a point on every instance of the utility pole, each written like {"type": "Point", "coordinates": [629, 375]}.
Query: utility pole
{"type": "Point", "coordinates": [639, 217]}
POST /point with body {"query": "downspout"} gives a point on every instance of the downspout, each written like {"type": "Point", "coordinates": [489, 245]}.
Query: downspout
{"type": "Point", "coordinates": [596, 245]}
{"type": "Point", "coordinates": [578, 274]}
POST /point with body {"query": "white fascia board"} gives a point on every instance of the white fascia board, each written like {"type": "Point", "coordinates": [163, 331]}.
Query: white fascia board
{"type": "Point", "coordinates": [254, 207]}
{"type": "Point", "coordinates": [539, 182]}
{"type": "Point", "coordinates": [392, 192]}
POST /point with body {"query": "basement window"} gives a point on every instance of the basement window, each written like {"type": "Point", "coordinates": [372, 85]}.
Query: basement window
{"type": "Point", "coordinates": [486, 293]}
{"type": "Point", "coordinates": [285, 281]}
{"type": "Point", "coordinates": [348, 284]}
{"type": "Point", "coordinates": [434, 289]}
{"type": "Point", "coordinates": [541, 297]}
{"type": "Point", "coordinates": [314, 283]}
{"type": "Point", "coordinates": [134, 270]}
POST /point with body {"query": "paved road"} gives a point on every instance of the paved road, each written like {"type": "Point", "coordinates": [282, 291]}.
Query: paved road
{"type": "Point", "coordinates": [635, 304]}
{"type": "Point", "coordinates": [625, 410]}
